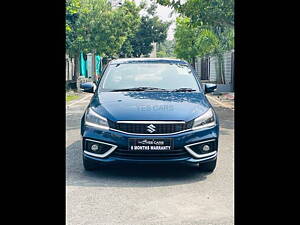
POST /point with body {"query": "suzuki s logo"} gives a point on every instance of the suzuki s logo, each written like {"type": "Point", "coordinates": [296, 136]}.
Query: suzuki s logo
{"type": "Point", "coordinates": [151, 128]}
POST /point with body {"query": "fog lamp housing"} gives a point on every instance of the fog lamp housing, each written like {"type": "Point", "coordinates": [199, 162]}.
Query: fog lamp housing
{"type": "Point", "coordinates": [206, 148]}
{"type": "Point", "coordinates": [98, 148]}
{"type": "Point", "coordinates": [203, 147]}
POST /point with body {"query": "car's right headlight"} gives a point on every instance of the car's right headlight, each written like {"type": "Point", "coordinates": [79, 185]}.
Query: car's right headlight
{"type": "Point", "coordinates": [208, 119]}
{"type": "Point", "coordinates": [95, 120]}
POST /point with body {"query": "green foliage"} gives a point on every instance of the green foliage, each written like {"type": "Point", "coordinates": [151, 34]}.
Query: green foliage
{"type": "Point", "coordinates": [151, 29]}
{"type": "Point", "coordinates": [72, 7]}
{"type": "Point", "coordinates": [204, 28]}
{"type": "Point", "coordinates": [94, 17]}
{"type": "Point", "coordinates": [193, 41]}
{"type": "Point", "coordinates": [93, 26]}
{"type": "Point", "coordinates": [185, 37]}
{"type": "Point", "coordinates": [124, 24]}
{"type": "Point", "coordinates": [166, 49]}
{"type": "Point", "coordinates": [151, 10]}
{"type": "Point", "coordinates": [161, 54]}
{"type": "Point", "coordinates": [226, 39]}
{"type": "Point", "coordinates": [214, 13]}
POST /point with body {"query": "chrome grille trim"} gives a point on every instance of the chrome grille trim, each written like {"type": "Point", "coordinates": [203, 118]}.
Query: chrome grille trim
{"type": "Point", "coordinates": [150, 122]}
{"type": "Point", "coordinates": [148, 134]}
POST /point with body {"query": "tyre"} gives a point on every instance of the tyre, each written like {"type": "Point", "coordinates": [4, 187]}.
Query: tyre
{"type": "Point", "coordinates": [88, 165]}
{"type": "Point", "coordinates": [209, 166]}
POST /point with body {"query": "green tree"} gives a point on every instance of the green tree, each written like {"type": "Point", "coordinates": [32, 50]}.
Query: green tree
{"type": "Point", "coordinates": [225, 36]}
{"type": "Point", "coordinates": [124, 25]}
{"type": "Point", "coordinates": [213, 13]}
{"type": "Point", "coordinates": [161, 54]}
{"type": "Point", "coordinates": [193, 41]}
{"type": "Point", "coordinates": [166, 49]}
{"type": "Point", "coordinates": [94, 17]}
{"type": "Point", "coordinates": [212, 19]}
{"type": "Point", "coordinates": [92, 26]}
{"type": "Point", "coordinates": [151, 29]}
{"type": "Point", "coordinates": [72, 13]}
{"type": "Point", "coordinates": [212, 23]}
{"type": "Point", "coordinates": [99, 28]}
{"type": "Point", "coordinates": [72, 49]}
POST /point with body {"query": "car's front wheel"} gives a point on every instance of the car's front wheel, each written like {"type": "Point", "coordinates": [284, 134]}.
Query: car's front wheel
{"type": "Point", "coordinates": [88, 165]}
{"type": "Point", "coordinates": [208, 166]}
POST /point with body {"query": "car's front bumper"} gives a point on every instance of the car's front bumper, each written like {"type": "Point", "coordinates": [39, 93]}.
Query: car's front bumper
{"type": "Point", "coordinates": [181, 141]}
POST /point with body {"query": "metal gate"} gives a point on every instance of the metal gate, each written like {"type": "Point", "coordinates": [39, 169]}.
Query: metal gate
{"type": "Point", "coordinates": [205, 69]}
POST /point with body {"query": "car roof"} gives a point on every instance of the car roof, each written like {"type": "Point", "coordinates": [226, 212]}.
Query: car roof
{"type": "Point", "coordinates": [147, 60]}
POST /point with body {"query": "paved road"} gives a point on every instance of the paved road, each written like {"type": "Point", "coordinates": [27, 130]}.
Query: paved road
{"type": "Point", "coordinates": [149, 195]}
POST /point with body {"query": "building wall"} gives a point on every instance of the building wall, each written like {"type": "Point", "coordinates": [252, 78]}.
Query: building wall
{"type": "Point", "coordinates": [213, 72]}
{"type": "Point", "coordinates": [227, 67]}
{"type": "Point", "coordinates": [198, 67]}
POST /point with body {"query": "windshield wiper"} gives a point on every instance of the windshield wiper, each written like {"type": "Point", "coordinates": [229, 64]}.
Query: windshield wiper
{"type": "Point", "coordinates": [140, 89]}
{"type": "Point", "coordinates": [183, 90]}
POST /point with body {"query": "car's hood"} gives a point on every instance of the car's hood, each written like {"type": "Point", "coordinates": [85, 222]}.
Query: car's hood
{"type": "Point", "coordinates": [150, 105]}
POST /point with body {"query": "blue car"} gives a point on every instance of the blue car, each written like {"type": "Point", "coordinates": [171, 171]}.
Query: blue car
{"type": "Point", "coordinates": [149, 110]}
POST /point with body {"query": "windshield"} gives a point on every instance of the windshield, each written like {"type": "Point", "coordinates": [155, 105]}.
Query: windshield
{"type": "Point", "coordinates": [154, 75]}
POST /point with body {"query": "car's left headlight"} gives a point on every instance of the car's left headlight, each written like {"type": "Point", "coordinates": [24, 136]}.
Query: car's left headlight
{"type": "Point", "coordinates": [208, 119]}
{"type": "Point", "coordinates": [95, 120]}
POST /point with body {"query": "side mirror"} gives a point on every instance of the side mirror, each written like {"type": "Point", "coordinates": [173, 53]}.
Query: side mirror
{"type": "Point", "coordinates": [208, 88]}
{"type": "Point", "coordinates": [89, 87]}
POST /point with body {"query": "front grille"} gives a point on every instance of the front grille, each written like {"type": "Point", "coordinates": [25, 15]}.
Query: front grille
{"type": "Point", "coordinates": [143, 128]}
{"type": "Point", "coordinates": [148, 154]}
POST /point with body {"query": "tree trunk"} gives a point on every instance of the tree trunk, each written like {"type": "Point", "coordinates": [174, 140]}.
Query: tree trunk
{"type": "Point", "coordinates": [76, 69]}
{"type": "Point", "coordinates": [76, 73]}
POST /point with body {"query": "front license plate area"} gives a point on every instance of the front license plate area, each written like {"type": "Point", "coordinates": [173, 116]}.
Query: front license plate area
{"type": "Point", "coordinates": [155, 144]}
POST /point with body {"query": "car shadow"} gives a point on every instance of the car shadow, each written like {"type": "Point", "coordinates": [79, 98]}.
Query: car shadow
{"type": "Point", "coordinates": [128, 175]}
